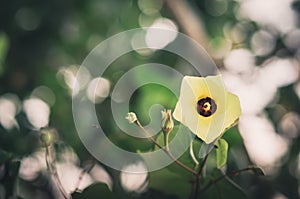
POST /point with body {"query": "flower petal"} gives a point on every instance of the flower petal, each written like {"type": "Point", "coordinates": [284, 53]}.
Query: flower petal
{"type": "Point", "coordinates": [233, 110]}
{"type": "Point", "coordinates": [207, 128]}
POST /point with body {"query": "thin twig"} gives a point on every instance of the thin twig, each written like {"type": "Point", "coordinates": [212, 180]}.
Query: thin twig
{"type": "Point", "coordinates": [148, 134]}
{"type": "Point", "coordinates": [51, 165]}
{"type": "Point", "coordinates": [165, 150]}
{"type": "Point", "coordinates": [180, 163]}
{"type": "Point", "coordinates": [84, 171]}
{"type": "Point", "coordinates": [233, 173]}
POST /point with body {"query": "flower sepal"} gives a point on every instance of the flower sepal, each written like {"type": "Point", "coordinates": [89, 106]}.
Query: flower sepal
{"type": "Point", "coordinates": [167, 124]}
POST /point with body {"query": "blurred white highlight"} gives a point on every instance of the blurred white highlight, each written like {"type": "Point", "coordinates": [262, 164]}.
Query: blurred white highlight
{"type": "Point", "coordinates": [133, 177]}
{"type": "Point", "coordinates": [33, 165]}
{"type": "Point", "coordinates": [249, 91]}
{"type": "Point", "coordinates": [8, 109]}
{"type": "Point", "coordinates": [99, 174]}
{"type": "Point", "coordinates": [262, 43]}
{"type": "Point", "coordinates": [68, 170]}
{"type": "Point", "coordinates": [156, 37]}
{"type": "Point", "coordinates": [68, 155]}
{"type": "Point", "coordinates": [74, 83]}
{"type": "Point", "coordinates": [277, 14]}
{"type": "Point", "coordinates": [256, 88]}
{"type": "Point", "coordinates": [264, 145]}
{"type": "Point", "coordinates": [30, 168]}
{"type": "Point", "coordinates": [258, 81]}
{"type": "Point", "coordinates": [98, 89]}
{"type": "Point", "coordinates": [281, 72]}
{"type": "Point", "coordinates": [69, 175]}
{"type": "Point", "coordinates": [37, 112]}
{"type": "Point", "coordinates": [239, 61]}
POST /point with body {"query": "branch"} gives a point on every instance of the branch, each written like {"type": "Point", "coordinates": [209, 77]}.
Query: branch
{"type": "Point", "coordinates": [189, 21]}
{"type": "Point", "coordinates": [197, 177]}
{"type": "Point", "coordinates": [203, 164]}
{"type": "Point", "coordinates": [51, 165]}
{"type": "Point", "coordinates": [87, 170]}
{"type": "Point", "coordinates": [165, 149]}
{"type": "Point", "coordinates": [233, 173]}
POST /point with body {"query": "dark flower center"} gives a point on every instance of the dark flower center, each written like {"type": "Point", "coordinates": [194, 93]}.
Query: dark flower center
{"type": "Point", "coordinates": [206, 106]}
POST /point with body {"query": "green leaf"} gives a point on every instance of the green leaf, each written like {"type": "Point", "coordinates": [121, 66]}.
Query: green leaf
{"type": "Point", "coordinates": [256, 170]}
{"type": "Point", "coordinates": [221, 153]}
{"type": "Point", "coordinates": [224, 188]}
{"type": "Point", "coordinates": [170, 182]}
{"type": "Point", "coordinates": [94, 191]}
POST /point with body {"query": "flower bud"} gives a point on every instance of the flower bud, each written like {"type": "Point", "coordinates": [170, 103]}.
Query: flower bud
{"type": "Point", "coordinates": [167, 121]}
{"type": "Point", "coordinates": [131, 117]}
{"type": "Point", "coordinates": [48, 135]}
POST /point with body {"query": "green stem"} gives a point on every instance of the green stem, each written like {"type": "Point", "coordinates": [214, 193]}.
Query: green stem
{"type": "Point", "coordinates": [166, 137]}
{"type": "Point", "coordinates": [196, 192]}
{"type": "Point", "coordinates": [165, 149]}
{"type": "Point", "coordinates": [193, 155]}
{"type": "Point", "coordinates": [203, 164]}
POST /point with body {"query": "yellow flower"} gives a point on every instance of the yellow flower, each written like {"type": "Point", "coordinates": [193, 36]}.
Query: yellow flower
{"type": "Point", "coordinates": [206, 107]}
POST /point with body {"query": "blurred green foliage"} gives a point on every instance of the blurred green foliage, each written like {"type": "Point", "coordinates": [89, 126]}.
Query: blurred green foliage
{"type": "Point", "coordinates": [37, 38]}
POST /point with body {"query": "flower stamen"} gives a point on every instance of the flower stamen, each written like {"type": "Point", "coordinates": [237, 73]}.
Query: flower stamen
{"type": "Point", "coordinates": [206, 107]}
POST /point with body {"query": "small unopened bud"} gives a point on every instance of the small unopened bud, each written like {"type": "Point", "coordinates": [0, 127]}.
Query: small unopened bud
{"type": "Point", "coordinates": [131, 117]}
{"type": "Point", "coordinates": [167, 121]}
{"type": "Point", "coordinates": [48, 136]}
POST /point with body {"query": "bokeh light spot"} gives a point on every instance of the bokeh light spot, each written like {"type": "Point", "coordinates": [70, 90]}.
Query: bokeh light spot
{"type": "Point", "coordinates": [98, 89]}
